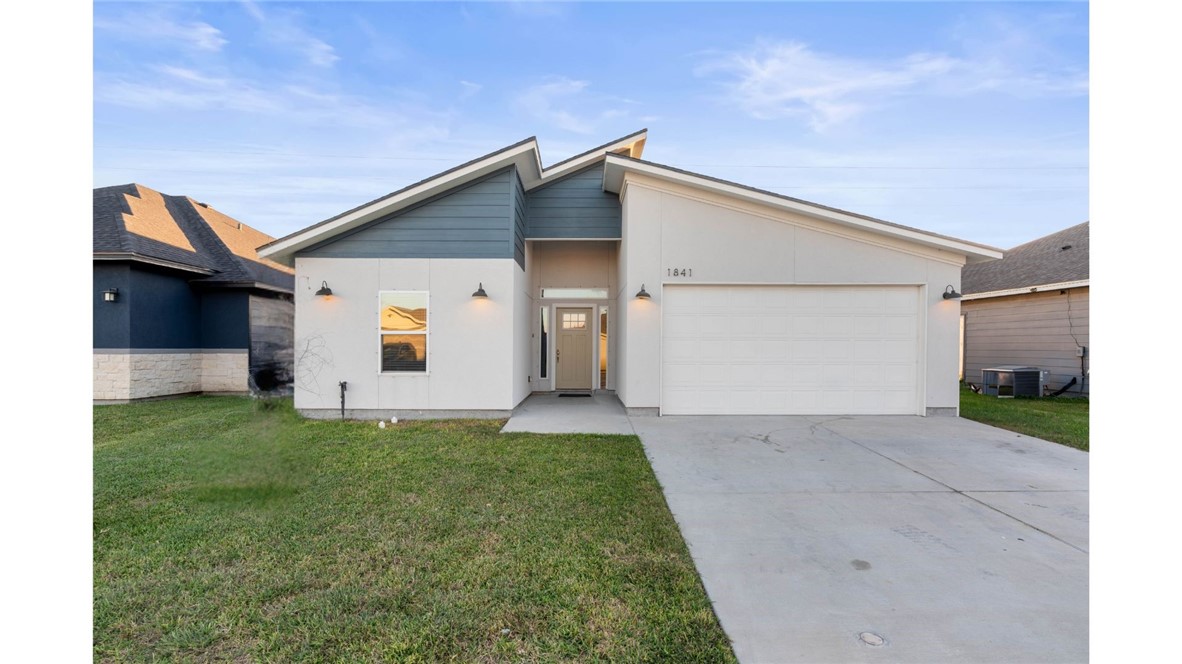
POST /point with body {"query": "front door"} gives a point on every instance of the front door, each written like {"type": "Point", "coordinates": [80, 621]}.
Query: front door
{"type": "Point", "coordinates": [572, 356]}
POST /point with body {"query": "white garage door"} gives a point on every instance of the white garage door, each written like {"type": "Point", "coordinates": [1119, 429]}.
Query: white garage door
{"type": "Point", "coordinates": [790, 350]}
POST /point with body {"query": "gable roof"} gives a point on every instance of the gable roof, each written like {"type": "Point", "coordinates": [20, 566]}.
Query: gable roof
{"type": "Point", "coordinates": [618, 165]}
{"type": "Point", "coordinates": [1053, 260]}
{"type": "Point", "coordinates": [524, 155]}
{"type": "Point", "coordinates": [133, 222]}
{"type": "Point", "coordinates": [618, 157]}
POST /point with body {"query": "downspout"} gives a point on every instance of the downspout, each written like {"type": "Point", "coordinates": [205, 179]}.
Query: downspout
{"type": "Point", "coordinates": [344, 385]}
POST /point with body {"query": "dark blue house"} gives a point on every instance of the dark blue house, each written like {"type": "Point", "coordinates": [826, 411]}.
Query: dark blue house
{"type": "Point", "coordinates": [182, 302]}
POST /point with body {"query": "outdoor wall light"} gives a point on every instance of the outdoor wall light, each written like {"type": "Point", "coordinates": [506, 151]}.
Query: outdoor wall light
{"type": "Point", "coordinates": [324, 290]}
{"type": "Point", "coordinates": [951, 294]}
{"type": "Point", "coordinates": [643, 294]}
{"type": "Point", "coordinates": [480, 291]}
{"type": "Point", "coordinates": [110, 295]}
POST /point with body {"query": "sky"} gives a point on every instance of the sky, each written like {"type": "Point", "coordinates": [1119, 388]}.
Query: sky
{"type": "Point", "coordinates": [965, 119]}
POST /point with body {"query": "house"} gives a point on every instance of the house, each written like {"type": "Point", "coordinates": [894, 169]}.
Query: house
{"type": "Point", "coordinates": [1031, 309]}
{"type": "Point", "coordinates": [182, 301]}
{"type": "Point", "coordinates": [464, 293]}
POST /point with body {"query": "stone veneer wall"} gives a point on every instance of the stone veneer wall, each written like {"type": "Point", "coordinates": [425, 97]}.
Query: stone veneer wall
{"type": "Point", "coordinates": [112, 376]}
{"type": "Point", "coordinates": [124, 376]}
{"type": "Point", "coordinates": [225, 372]}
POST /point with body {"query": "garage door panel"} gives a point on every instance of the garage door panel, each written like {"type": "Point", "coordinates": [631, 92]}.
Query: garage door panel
{"type": "Point", "coordinates": [790, 350]}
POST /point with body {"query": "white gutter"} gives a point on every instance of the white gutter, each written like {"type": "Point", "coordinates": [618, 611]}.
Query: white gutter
{"type": "Point", "coordinates": [1063, 285]}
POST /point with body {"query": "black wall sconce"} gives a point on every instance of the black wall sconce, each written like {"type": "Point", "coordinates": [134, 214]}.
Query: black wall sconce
{"type": "Point", "coordinates": [110, 295]}
{"type": "Point", "coordinates": [643, 294]}
{"type": "Point", "coordinates": [324, 291]}
{"type": "Point", "coordinates": [480, 291]}
{"type": "Point", "coordinates": [951, 294]}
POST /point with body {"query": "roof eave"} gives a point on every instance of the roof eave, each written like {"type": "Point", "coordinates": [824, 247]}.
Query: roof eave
{"type": "Point", "coordinates": [617, 166]}
{"type": "Point", "coordinates": [1025, 290]}
{"type": "Point", "coordinates": [140, 258]}
{"type": "Point", "coordinates": [524, 155]}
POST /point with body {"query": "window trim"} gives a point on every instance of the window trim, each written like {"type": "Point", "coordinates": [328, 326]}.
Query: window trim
{"type": "Point", "coordinates": [426, 334]}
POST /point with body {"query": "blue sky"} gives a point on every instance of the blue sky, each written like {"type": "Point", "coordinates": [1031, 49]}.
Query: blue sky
{"type": "Point", "coordinates": [968, 119]}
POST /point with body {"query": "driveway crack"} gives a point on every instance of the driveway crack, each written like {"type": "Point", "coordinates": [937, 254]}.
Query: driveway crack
{"type": "Point", "coordinates": [947, 486]}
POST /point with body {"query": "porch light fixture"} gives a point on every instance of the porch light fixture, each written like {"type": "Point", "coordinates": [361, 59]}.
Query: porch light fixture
{"type": "Point", "coordinates": [324, 290]}
{"type": "Point", "coordinates": [951, 294]}
{"type": "Point", "coordinates": [480, 291]}
{"type": "Point", "coordinates": [643, 294]}
{"type": "Point", "coordinates": [110, 295]}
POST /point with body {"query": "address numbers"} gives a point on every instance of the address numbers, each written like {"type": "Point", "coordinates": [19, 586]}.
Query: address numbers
{"type": "Point", "coordinates": [679, 272]}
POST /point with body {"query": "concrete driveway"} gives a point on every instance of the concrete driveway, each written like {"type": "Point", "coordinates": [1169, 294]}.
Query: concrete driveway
{"type": "Point", "coordinates": [949, 540]}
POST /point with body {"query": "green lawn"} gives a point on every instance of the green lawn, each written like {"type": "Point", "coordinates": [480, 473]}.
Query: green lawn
{"type": "Point", "coordinates": [1059, 419]}
{"type": "Point", "coordinates": [226, 531]}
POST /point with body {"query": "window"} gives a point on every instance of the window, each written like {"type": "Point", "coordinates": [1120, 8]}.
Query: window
{"type": "Point", "coordinates": [403, 327]}
{"type": "Point", "coordinates": [545, 339]}
{"type": "Point", "coordinates": [574, 321]}
{"type": "Point", "coordinates": [575, 293]}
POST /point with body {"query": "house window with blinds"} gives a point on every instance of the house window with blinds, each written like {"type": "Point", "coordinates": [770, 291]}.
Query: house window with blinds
{"type": "Point", "coordinates": [403, 327]}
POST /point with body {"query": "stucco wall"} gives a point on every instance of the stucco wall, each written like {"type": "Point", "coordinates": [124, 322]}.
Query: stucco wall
{"type": "Point", "coordinates": [470, 352]}
{"type": "Point", "coordinates": [723, 241]}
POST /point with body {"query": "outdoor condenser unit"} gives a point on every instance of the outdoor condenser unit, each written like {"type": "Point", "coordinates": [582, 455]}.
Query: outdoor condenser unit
{"type": "Point", "coordinates": [1012, 381]}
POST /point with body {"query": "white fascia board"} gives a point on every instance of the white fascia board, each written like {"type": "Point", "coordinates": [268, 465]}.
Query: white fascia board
{"type": "Point", "coordinates": [524, 157]}
{"type": "Point", "coordinates": [617, 168]}
{"type": "Point", "coordinates": [635, 142]}
{"type": "Point", "coordinates": [1063, 285]}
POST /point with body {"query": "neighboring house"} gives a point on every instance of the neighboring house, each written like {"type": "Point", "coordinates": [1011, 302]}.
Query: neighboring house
{"type": "Point", "coordinates": [182, 302]}
{"type": "Point", "coordinates": [463, 293]}
{"type": "Point", "coordinates": [1031, 309]}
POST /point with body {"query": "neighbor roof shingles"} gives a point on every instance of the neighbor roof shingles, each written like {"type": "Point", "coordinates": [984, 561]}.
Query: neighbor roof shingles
{"type": "Point", "coordinates": [1053, 259]}
{"type": "Point", "coordinates": [133, 219]}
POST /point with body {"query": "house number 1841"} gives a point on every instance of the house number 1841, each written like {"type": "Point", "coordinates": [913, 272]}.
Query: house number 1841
{"type": "Point", "coordinates": [679, 272]}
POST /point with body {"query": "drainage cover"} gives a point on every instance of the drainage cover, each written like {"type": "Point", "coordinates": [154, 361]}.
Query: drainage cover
{"type": "Point", "coordinates": [871, 639]}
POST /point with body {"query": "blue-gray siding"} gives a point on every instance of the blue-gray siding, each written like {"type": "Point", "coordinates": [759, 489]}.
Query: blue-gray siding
{"type": "Point", "coordinates": [574, 207]}
{"type": "Point", "coordinates": [471, 222]}
{"type": "Point", "coordinates": [112, 320]}
{"type": "Point", "coordinates": [519, 223]}
{"type": "Point", "coordinates": [158, 309]}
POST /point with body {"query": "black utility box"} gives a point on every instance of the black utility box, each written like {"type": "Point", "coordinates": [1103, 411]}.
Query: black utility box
{"type": "Point", "coordinates": [1012, 381]}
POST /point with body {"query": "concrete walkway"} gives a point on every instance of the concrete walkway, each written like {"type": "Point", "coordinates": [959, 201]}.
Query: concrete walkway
{"type": "Point", "coordinates": [881, 539]}
{"type": "Point", "coordinates": [550, 413]}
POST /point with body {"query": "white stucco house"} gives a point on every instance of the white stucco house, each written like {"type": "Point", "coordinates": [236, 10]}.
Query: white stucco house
{"type": "Point", "coordinates": [464, 293]}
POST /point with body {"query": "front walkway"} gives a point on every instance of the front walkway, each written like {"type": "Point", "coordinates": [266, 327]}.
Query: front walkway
{"type": "Point", "coordinates": [550, 413]}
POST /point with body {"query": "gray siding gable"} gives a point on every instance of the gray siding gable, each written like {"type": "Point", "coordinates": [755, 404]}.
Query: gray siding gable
{"type": "Point", "coordinates": [575, 206]}
{"type": "Point", "coordinates": [473, 221]}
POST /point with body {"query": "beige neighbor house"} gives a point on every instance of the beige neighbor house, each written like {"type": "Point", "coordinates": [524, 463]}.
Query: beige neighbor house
{"type": "Point", "coordinates": [464, 293]}
{"type": "Point", "coordinates": [1031, 309]}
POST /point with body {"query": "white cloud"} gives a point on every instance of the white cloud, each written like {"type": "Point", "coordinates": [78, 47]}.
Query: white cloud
{"type": "Point", "coordinates": [169, 87]}
{"type": "Point", "coordinates": [552, 102]}
{"type": "Point", "coordinates": [469, 89]}
{"type": "Point", "coordinates": [282, 29]}
{"type": "Point", "coordinates": [160, 25]}
{"type": "Point", "coordinates": [790, 79]}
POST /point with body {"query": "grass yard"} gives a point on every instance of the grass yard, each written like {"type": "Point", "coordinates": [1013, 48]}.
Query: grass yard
{"type": "Point", "coordinates": [228, 531]}
{"type": "Point", "coordinates": [1059, 419]}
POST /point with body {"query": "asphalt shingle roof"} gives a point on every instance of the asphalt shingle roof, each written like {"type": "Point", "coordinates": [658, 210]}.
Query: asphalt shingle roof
{"type": "Point", "coordinates": [1056, 258]}
{"type": "Point", "coordinates": [205, 249]}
